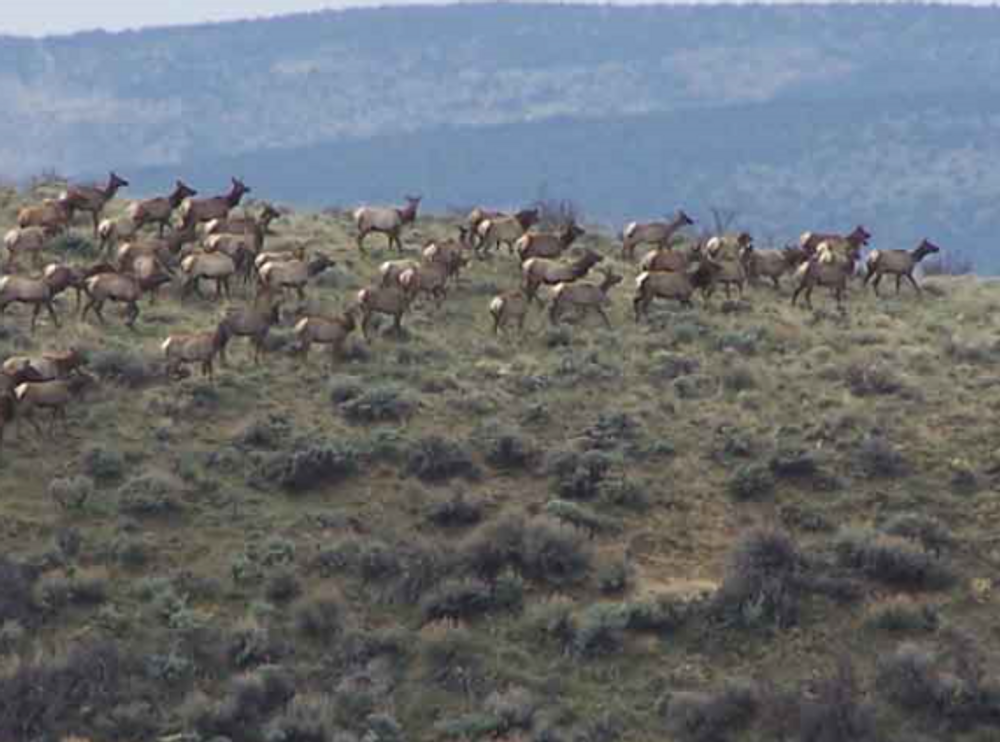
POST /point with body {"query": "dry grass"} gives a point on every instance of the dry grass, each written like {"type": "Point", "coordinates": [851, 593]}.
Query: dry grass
{"type": "Point", "coordinates": [759, 382]}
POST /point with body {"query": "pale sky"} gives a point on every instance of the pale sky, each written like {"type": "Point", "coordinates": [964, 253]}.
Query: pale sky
{"type": "Point", "coordinates": [34, 18]}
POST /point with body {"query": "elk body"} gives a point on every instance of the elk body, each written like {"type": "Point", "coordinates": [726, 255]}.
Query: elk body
{"type": "Point", "coordinates": [825, 268]}
{"type": "Point", "coordinates": [584, 296]}
{"type": "Point", "coordinates": [504, 230]}
{"type": "Point", "coordinates": [772, 264]}
{"type": "Point", "coordinates": [511, 306]}
{"type": "Point", "coordinates": [671, 260]}
{"type": "Point", "coordinates": [92, 199]}
{"type": "Point", "coordinates": [656, 233]}
{"type": "Point", "coordinates": [194, 211]}
{"type": "Point", "coordinates": [26, 241]}
{"type": "Point", "coordinates": [207, 266]}
{"type": "Point", "coordinates": [35, 292]}
{"type": "Point", "coordinates": [52, 395]}
{"type": "Point", "coordinates": [540, 271]}
{"type": "Point", "coordinates": [810, 241]}
{"type": "Point", "coordinates": [385, 219]}
{"type": "Point", "coordinates": [159, 210]}
{"type": "Point", "coordinates": [292, 274]}
{"type": "Point", "coordinates": [111, 232]}
{"type": "Point", "coordinates": [679, 286]}
{"type": "Point", "coordinates": [198, 347]}
{"type": "Point", "coordinates": [390, 300]}
{"type": "Point", "coordinates": [547, 244]}
{"type": "Point", "coordinates": [51, 215]}
{"type": "Point", "coordinates": [254, 323]}
{"type": "Point", "coordinates": [244, 225]}
{"type": "Point", "coordinates": [426, 278]}
{"type": "Point", "coordinates": [898, 263]}
{"type": "Point", "coordinates": [332, 331]}
{"type": "Point", "coordinates": [115, 287]}
{"type": "Point", "coordinates": [46, 367]}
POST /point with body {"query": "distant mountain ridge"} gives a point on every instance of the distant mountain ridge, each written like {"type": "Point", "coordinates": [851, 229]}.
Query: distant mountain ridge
{"type": "Point", "coordinates": [795, 116]}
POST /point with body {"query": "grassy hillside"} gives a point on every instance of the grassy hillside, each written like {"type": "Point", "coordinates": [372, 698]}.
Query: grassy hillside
{"type": "Point", "coordinates": [739, 522]}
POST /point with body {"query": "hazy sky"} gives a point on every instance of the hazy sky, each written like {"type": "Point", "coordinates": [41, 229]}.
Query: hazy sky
{"type": "Point", "coordinates": [34, 18]}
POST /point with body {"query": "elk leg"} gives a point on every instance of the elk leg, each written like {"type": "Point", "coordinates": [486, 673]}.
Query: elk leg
{"type": "Point", "coordinates": [397, 323]}
{"type": "Point", "coordinates": [604, 316]}
{"type": "Point", "coordinates": [301, 292]}
{"type": "Point", "coordinates": [899, 280]}
{"type": "Point", "coordinates": [34, 316]}
{"type": "Point", "coordinates": [913, 281]}
{"type": "Point", "coordinates": [52, 312]}
{"type": "Point", "coordinates": [365, 324]}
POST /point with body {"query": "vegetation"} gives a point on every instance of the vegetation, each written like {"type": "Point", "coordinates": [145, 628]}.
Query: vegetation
{"type": "Point", "coordinates": [461, 536]}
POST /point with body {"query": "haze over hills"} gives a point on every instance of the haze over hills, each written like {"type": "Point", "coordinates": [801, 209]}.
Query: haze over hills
{"type": "Point", "coordinates": [797, 117]}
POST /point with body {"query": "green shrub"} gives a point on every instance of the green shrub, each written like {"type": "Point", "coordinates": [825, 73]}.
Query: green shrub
{"type": "Point", "coordinates": [312, 466]}
{"type": "Point", "coordinates": [930, 532]}
{"type": "Point", "coordinates": [877, 457]}
{"type": "Point", "coordinates": [121, 366]}
{"type": "Point", "coordinates": [453, 660]}
{"type": "Point", "coordinates": [553, 620]}
{"type": "Point", "coordinates": [762, 581]}
{"type": "Point", "coordinates": [150, 494]}
{"type": "Point", "coordinates": [467, 599]}
{"type": "Point", "coordinates": [456, 511]}
{"type": "Point", "coordinates": [891, 559]}
{"type": "Point", "coordinates": [579, 516]}
{"type": "Point", "coordinates": [709, 717]}
{"type": "Point", "coordinates": [751, 482]}
{"type": "Point", "coordinates": [579, 476]}
{"type": "Point", "coordinates": [380, 404]}
{"type": "Point", "coordinates": [102, 464]}
{"type": "Point", "coordinates": [553, 553]}
{"type": "Point", "coordinates": [437, 459]}
{"type": "Point", "coordinates": [613, 577]}
{"type": "Point", "coordinates": [600, 630]}
{"type": "Point", "coordinates": [71, 493]}
{"type": "Point", "coordinates": [900, 615]}
{"type": "Point", "coordinates": [320, 617]}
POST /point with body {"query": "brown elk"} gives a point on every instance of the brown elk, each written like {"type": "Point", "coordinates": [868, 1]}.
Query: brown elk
{"type": "Point", "coordinates": [159, 210]}
{"type": "Point", "coordinates": [92, 199]}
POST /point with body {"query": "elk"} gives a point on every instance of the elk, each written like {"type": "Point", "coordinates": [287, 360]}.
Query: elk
{"type": "Point", "coordinates": [34, 291]}
{"type": "Point", "coordinates": [673, 259]}
{"type": "Point", "coordinates": [332, 331]}
{"type": "Point", "coordinates": [428, 278]}
{"type": "Point", "coordinates": [583, 295]}
{"type": "Point", "coordinates": [210, 266]}
{"type": "Point", "coordinates": [159, 210]}
{"type": "Point", "coordinates": [151, 274]}
{"type": "Point", "coordinates": [547, 244]}
{"type": "Point", "coordinates": [391, 270]}
{"type": "Point", "coordinates": [116, 287]}
{"type": "Point", "coordinates": [810, 241]}
{"type": "Point", "coordinates": [292, 274]}
{"type": "Point", "coordinates": [61, 277]}
{"type": "Point", "coordinates": [54, 395]}
{"type": "Point", "coordinates": [113, 231]}
{"type": "Point", "coordinates": [728, 247]}
{"type": "Point", "coordinates": [92, 199]}
{"type": "Point", "coordinates": [511, 306]}
{"type": "Point", "coordinates": [385, 219]}
{"type": "Point", "coordinates": [244, 224]}
{"type": "Point", "coordinates": [250, 322]}
{"type": "Point", "coordinates": [7, 407]}
{"type": "Point", "coordinates": [450, 253]}
{"type": "Point", "coordinates": [504, 230]}
{"type": "Point", "coordinates": [46, 367]}
{"type": "Point", "coordinates": [197, 210]}
{"type": "Point", "coordinates": [390, 300]}
{"type": "Point", "coordinates": [898, 263]}
{"type": "Point", "coordinates": [825, 268]}
{"type": "Point", "coordinates": [539, 271]}
{"type": "Point", "coordinates": [680, 286]}
{"type": "Point", "coordinates": [26, 240]}
{"type": "Point", "coordinates": [198, 347]}
{"type": "Point", "coordinates": [771, 264]}
{"type": "Point", "coordinates": [657, 233]}
{"type": "Point", "coordinates": [51, 215]}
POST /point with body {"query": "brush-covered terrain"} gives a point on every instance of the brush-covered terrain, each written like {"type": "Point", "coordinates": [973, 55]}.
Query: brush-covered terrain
{"type": "Point", "coordinates": [744, 521]}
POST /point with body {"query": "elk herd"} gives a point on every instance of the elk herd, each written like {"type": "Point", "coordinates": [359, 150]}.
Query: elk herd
{"type": "Point", "coordinates": [208, 244]}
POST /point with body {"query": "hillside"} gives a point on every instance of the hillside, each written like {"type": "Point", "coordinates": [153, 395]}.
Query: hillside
{"type": "Point", "coordinates": [798, 117]}
{"type": "Point", "coordinates": [741, 521]}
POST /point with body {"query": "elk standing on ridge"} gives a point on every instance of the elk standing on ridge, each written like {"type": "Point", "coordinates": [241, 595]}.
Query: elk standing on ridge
{"type": "Point", "coordinates": [197, 210]}
{"type": "Point", "coordinates": [539, 271]}
{"type": "Point", "coordinates": [583, 295]}
{"type": "Point", "coordinates": [385, 219]}
{"type": "Point", "coordinates": [92, 199]}
{"type": "Point", "coordinates": [658, 233]}
{"type": "Point", "coordinates": [898, 263]}
{"type": "Point", "coordinates": [159, 210]}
